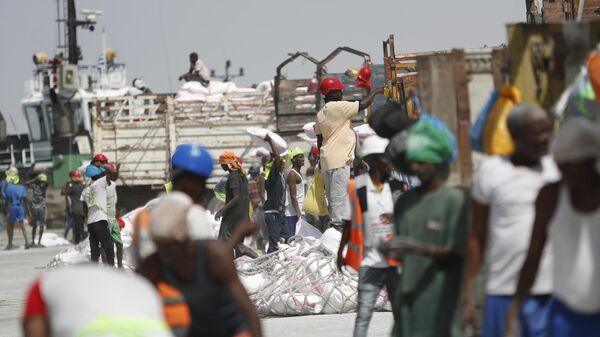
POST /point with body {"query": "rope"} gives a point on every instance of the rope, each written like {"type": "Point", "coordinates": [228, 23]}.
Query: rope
{"type": "Point", "coordinates": [302, 279]}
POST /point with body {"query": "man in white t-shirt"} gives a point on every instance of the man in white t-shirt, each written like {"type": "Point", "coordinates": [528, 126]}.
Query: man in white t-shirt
{"type": "Point", "coordinates": [367, 224]}
{"type": "Point", "coordinates": [503, 200]}
{"type": "Point", "coordinates": [95, 207]}
{"type": "Point", "coordinates": [60, 303]}
{"type": "Point", "coordinates": [111, 213]}
{"type": "Point", "coordinates": [336, 141]}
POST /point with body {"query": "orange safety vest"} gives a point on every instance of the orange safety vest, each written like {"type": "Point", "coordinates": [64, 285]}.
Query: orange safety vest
{"type": "Point", "coordinates": [354, 254]}
{"type": "Point", "coordinates": [141, 226]}
{"type": "Point", "coordinates": [176, 310]}
{"type": "Point", "coordinates": [356, 245]}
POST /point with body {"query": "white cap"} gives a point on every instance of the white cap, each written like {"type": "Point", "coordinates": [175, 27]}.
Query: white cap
{"type": "Point", "coordinates": [176, 217]}
{"type": "Point", "coordinates": [373, 145]}
{"type": "Point", "coordinates": [577, 139]}
{"type": "Point", "coordinates": [261, 152]}
{"type": "Point", "coordinates": [12, 170]}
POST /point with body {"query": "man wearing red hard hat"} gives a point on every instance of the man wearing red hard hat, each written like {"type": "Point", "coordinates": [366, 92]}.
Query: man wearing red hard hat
{"type": "Point", "coordinates": [336, 141]}
{"type": "Point", "coordinates": [75, 214]}
{"type": "Point", "coordinates": [99, 160]}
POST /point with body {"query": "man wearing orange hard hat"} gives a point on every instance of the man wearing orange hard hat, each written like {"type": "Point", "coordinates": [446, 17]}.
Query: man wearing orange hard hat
{"type": "Point", "coordinates": [336, 142]}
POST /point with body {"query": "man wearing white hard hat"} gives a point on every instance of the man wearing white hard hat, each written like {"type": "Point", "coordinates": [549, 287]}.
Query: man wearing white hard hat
{"type": "Point", "coordinates": [367, 224]}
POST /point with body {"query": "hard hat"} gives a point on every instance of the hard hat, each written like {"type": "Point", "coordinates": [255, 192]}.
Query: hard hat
{"type": "Point", "coordinates": [330, 84]}
{"type": "Point", "coordinates": [262, 153]}
{"type": "Point", "coordinates": [13, 179]}
{"type": "Point", "coordinates": [40, 58]}
{"type": "Point", "coordinates": [110, 54]}
{"type": "Point", "coordinates": [373, 145]}
{"type": "Point", "coordinates": [193, 158]}
{"type": "Point", "coordinates": [42, 177]}
{"type": "Point", "coordinates": [175, 217]}
{"type": "Point", "coordinates": [99, 157]}
{"type": "Point", "coordinates": [351, 72]}
{"type": "Point", "coordinates": [12, 170]}
{"type": "Point", "coordinates": [313, 85]}
{"type": "Point", "coordinates": [93, 170]}
{"type": "Point", "coordinates": [75, 174]}
{"type": "Point", "coordinates": [254, 168]}
{"type": "Point", "coordinates": [364, 74]}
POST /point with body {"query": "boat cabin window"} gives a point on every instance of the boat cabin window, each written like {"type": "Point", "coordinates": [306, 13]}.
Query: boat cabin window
{"type": "Point", "coordinates": [50, 111]}
{"type": "Point", "coordinates": [78, 116]}
{"type": "Point", "coordinates": [35, 119]}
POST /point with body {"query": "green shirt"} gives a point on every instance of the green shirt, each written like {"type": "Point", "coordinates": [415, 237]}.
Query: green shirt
{"type": "Point", "coordinates": [430, 290]}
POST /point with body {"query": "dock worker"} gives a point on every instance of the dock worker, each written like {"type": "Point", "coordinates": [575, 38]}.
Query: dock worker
{"type": "Point", "coordinates": [431, 226]}
{"type": "Point", "coordinates": [15, 195]}
{"type": "Point", "coordinates": [503, 208]}
{"type": "Point", "coordinates": [198, 71]}
{"type": "Point", "coordinates": [368, 223]}
{"type": "Point", "coordinates": [336, 142]}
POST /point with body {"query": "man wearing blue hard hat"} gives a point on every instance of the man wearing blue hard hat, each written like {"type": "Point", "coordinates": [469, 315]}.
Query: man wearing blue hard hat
{"type": "Point", "coordinates": [94, 198]}
{"type": "Point", "coordinates": [191, 166]}
{"type": "Point", "coordinates": [176, 250]}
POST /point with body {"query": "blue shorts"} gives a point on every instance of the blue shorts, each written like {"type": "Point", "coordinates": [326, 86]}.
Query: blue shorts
{"type": "Point", "coordinates": [533, 318]}
{"type": "Point", "coordinates": [564, 322]}
{"type": "Point", "coordinates": [16, 214]}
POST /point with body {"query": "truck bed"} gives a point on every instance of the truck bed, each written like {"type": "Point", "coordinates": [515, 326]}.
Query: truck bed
{"type": "Point", "coordinates": [141, 133]}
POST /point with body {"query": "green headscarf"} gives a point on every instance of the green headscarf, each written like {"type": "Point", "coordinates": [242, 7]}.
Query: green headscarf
{"type": "Point", "coordinates": [430, 141]}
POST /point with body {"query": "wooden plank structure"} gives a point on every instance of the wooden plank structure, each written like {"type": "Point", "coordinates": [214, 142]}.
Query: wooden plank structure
{"type": "Point", "coordinates": [556, 11]}
{"type": "Point", "coordinates": [295, 106]}
{"type": "Point", "coordinates": [142, 132]}
{"type": "Point", "coordinates": [447, 83]}
{"type": "Point", "coordinates": [545, 58]}
{"type": "Point", "coordinates": [452, 85]}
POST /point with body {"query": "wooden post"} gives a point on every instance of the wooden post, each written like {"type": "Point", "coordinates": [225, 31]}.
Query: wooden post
{"type": "Point", "coordinates": [463, 116]}
{"type": "Point", "coordinates": [171, 133]}
{"type": "Point", "coordinates": [500, 67]}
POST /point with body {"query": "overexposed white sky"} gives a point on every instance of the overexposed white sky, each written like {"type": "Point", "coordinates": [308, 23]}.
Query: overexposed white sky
{"type": "Point", "coordinates": [154, 37]}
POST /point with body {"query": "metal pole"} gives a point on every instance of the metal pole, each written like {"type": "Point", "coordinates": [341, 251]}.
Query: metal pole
{"type": "Point", "coordinates": [105, 67]}
{"type": "Point", "coordinates": [72, 28]}
{"type": "Point", "coordinates": [580, 10]}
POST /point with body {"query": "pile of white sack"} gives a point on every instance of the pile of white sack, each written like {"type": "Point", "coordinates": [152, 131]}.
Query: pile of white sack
{"type": "Point", "coordinates": [302, 279]}
{"type": "Point", "coordinates": [299, 279]}
{"type": "Point", "coordinates": [196, 92]}
{"type": "Point", "coordinates": [309, 135]}
{"type": "Point", "coordinates": [53, 240]}
{"type": "Point", "coordinates": [258, 136]}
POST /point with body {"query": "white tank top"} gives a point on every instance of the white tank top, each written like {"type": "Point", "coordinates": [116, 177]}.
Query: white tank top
{"type": "Point", "coordinates": [575, 237]}
{"type": "Point", "coordinates": [289, 208]}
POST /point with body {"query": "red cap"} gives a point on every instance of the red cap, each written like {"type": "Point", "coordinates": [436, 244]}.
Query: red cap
{"type": "Point", "coordinates": [364, 74]}
{"type": "Point", "coordinates": [99, 157]}
{"type": "Point", "coordinates": [315, 151]}
{"type": "Point", "coordinates": [121, 223]}
{"type": "Point", "coordinates": [75, 174]}
{"type": "Point", "coordinates": [330, 84]}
